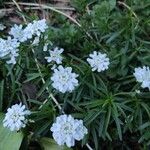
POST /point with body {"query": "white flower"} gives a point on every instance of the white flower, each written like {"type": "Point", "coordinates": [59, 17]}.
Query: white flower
{"type": "Point", "coordinates": [55, 55]}
{"type": "Point", "coordinates": [64, 80]}
{"type": "Point", "coordinates": [3, 48]}
{"type": "Point", "coordinates": [35, 28]}
{"type": "Point", "coordinates": [18, 33]}
{"type": "Point", "coordinates": [98, 61]}
{"type": "Point", "coordinates": [29, 31]}
{"type": "Point", "coordinates": [66, 130]}
{"type": "Point", "coordinates": [13, 56]}
{"type": "Point", "coordinates": [142, 75]}
{"type": "Point", "coordinates": [15, 118]}
{"type": "Point", "coordinates": [9, 48]}
{"type": "Point", "coordinates": [2, 27]}
{"type": "Point", "coordinates": [39, 26]}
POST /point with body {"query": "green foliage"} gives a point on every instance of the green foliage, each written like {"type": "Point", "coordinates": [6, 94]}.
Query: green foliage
{"type": "Point", "coordinates": [9, 140]}
{"type": "Point", "coordinates": [50, 144]}
{"type": "Point", "coordinates": [107, 102]}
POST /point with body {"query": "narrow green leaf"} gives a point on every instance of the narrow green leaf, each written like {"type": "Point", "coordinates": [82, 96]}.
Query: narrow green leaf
{"type": "Point", "coordinates": [101, 124]}
{"type": "Point", "coordinates": [1, 94]}
{"type": "Point", "coordinates": [117, 121]}
{"type": "Point", "coordinates": [147, 108]}
{"type": "Point", "coordinates": [107, 119]}
{"type": "Point", "coordinates": [95, 138]}
{"type": "Point", "coordinates": [78, 59]}
{"type": "Point", "coordinates": [42, 128]}
{"type": "Point", "coordinates": [34, 101]}
{"type": "Point", "coordinates": [114, 36]}
{"type": "Point", "coordinates": [32, 76]}
{"type": "Point", "coordinates": [145, 125]}
{"type": "Point", "coordinates": [47, 83]}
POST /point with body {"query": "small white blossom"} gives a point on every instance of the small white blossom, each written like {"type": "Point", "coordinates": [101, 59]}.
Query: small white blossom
{"type": "Point", "coordinates": [66, 130]}
{"type": "Point", "coordinates": [36, 41]}
{"type": "Point", "coordinates": [64, 80]}
{"type": "Point", "coordinates": [9, 48]}
{"type": "Point", "coordinates": [137, 91]}
{"type": "Point", "coordinates": [15, 118]}
{"type": "Point", "coordinates": [2, 27]}
{"type": "Point", "coordinates": [13, 56]}
{"type": "Point", "coordinates": [142, 75]}
{"type": "Point", "coordinates": [18, 33]}
{"type": "Point", "coordinates": [47, 42]}
{"type": "Point", "coordinates": [55, 55]}
{"type": "Point", "coordinates": [45, 48]}
{"type": "Point", "coordinates": [98, 61]}
{"type": "Point", "coordinates": [39, 26]}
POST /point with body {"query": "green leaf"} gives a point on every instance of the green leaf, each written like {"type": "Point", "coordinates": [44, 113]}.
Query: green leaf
{"type": "Point", "coordinates": [9, 140]}
{"type": "Point", "coordinates": [145, 125]}
{"type": "Point", "coordinates": [117, 121]}
{"type": "Point", "coordinates": [78, 59]}
{"type": "Point", "coordinates": [114, 36]}
{"type": "Point", "coordinates": [107, 119]}
{"type": "Point", "coordinates": [32, 76]}
{"type": "Point", "coordinates": [112, 4]}
{"type": "Point", "coordinates": [1, 93]}
{"type": "Point", "coordinates": [50, 144]}
{"type": "Point", "coordinates": [44, 87]}
{"type": "Point", "coordinates": [95, 138]}
{"type": "Point", "coordinates": [101, 124]}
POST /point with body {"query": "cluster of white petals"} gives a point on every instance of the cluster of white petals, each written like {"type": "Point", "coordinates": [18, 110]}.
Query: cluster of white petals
{"type": "Point", "coordinates": [64, 80]}
{"type": "Point", "coordinates": [15, 118]}
{"type": "Point", "coordinates": [32, 29]}
{"type": "Point", "coordinates": [35, 28]}
{"type": "Point", "coordinates": [18, 33]}
{"type": "Point", "coordinates": [55, 55]}
{"type": "Point", "coordinates": [9, 48]}
{"type": "Point", "coordinates": [98, 61]}
{"type": "Point", "coordinates": [142, 75]}
{"type": "Point", "coordinates": [66, 130]}
{"type": "Point", "coordinates": [2, 27]}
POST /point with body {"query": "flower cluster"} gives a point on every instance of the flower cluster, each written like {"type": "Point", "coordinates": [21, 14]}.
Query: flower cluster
{"type": "Point", "coordinates": [66, 130]}
{"type": "Point", "coordinates": [55, 55]}
{"type": "Point", "coordinates": [98, 61]}
{"type": "Point", "coordinates": [32, 29]}
{"type": "Point", "coordinates": [15, 118]}
{"type": "Point", "coordinates": [142, 75]}
{"type": "Point", "coordinates": [35, 28]}
{"type": "Point", "coordinates": [64, 80]}
{"type": "Point", "coordinates": [18, 33]}
{"type": "Point", "coordinates": [9, 48]}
